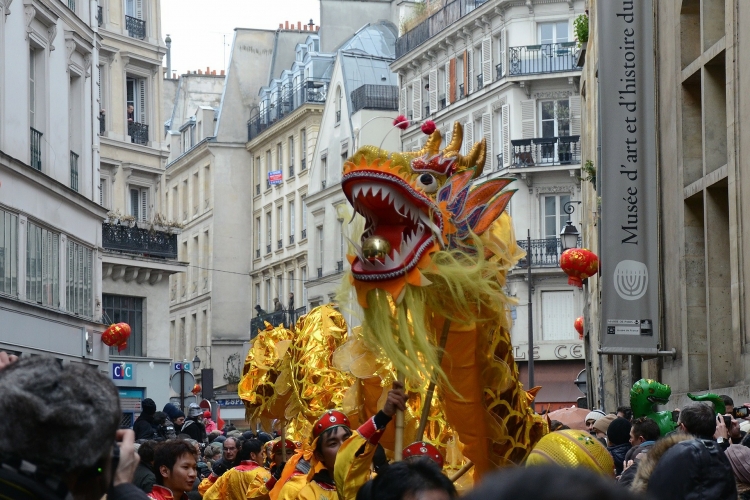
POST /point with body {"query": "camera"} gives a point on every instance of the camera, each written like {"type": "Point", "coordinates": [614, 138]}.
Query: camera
{"type": "Point", "coordinates": [727, 421]}
{"type": "Point", "coordinates": [675, 415]}
{"type": "Point", "coordinates": [740, 412]}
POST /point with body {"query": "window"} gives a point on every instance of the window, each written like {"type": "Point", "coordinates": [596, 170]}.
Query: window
{"type": "Point", "coordinates": [8, 253]}
{"type": "Point", "coordinates": [36, 105]}
{"type": "Point", "coordinates": [279, 158]}
{"type": "Point", "coordinates": [196, 193]}
{"type": "Point", "coordinates": [104, 192]}
{"type": "Point", "coordinates": [32, 87]}
{"type": "Point", "coordinates": [303, 271]}
{"type": "Point", "coordinates": [320, 250]}
{"type": "Point", "coordinates": [100, 86]}
{"type": "Point", "coordinates": [291, 156]}
{"type": "Point", "coordinates": [342, 252]}
{"type": "Point", "coordinates": [79, 279]}
{"type": "Point", "coordinates": [185, 200]}
{"type": "Point", "coordinates": [136, 114]}
{"type": "Point", "coordinates": [279, 285]}
{"type": "Point", "coordinates": [257, 293]}
{"type": "Point", "coordinates": [553, 32]}
{"type": "Point", "coordinates": [323, 171]}
{"type": "Point", "coordinates": [42, 266]}
{"type": "Point", "coordinates": [257, 175]}
{"type": "Point", "coordinates": [557, 316]}
{"type": "Point", "coordinates": [554, 215]}
{"type": "Point", "coordinates": [207, 185]}
{"type": "Point", "coordinates": [338, 104]}
{"type": "Point", "coordinates": [344, 156]}
{"type": "Point", "coordinates": [268, 295]}
{"type": "Point", "coordinates": [188, 137]}
{"type": "Point", "coordinates": [280, 224]}
{"type": "Point", "coordinates": [139, 203]}
{"type": "Point", "coordinates": [175, 204]}
{"type": "Point", "coordinates": [555, 118]}
{"type": "Point", "coordinates": [257, 237]}
{"type": "Point", "coordinates": [268, 232]}
{"type": "Point", "coordinates": [268, 168]}
{"type": "Point", "coordinates": [134, 8]}
{"type": "Point", "coordinates": [303, 204]}
{"type": "Point", "coordinates": [123, 309]}
{"type": "Point", "coordinates": [291, 222]}
{"type": "Point", "coordinates": [303, 149]}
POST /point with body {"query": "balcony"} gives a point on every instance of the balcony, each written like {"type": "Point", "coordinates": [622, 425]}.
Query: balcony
{"type": "Point", "coordinates": [480, 81]}
{"type": "Point", "coordinates": [280, 244]}
{"type": "Point", "coordinates": [141, 241]}
{"type": "Point", "coordinates": [322, 184]}
{"type": "Point", "coordinates": [339, 266]}
{"type": "Point", "coordinates": [442, 101]}
{"type": "Point", "coordinates": [499, 71]}
{"type": "Point", "coordinates": [542, 59]}
{"type": "Point", "coordinates": [257, 253]}
{"type": "Point", "coordinates": [257, 189]}
{"type": "Point", "coordinates": [138, 133]}
{"type": "Point", "coordinates": [284, 102]}
{"type": "Point", "coordinates": [304, 234]}
{"type": "Point", "coordinates": [434, 24]}
{"type": "Point", "coordinates": [287, 317]}
{"type": "Point", "coordinates": [100, 16]}
{"type": "Point", "coordinates": [136, 27]}
{"type": "Point", "coordinates": [36, 149]}
{"type": "Point", "coordinates": [320, 272]}
{"type": "Point", "coordinates": [303, 165]}
{"type": "Point", "coordinates": [291, 170]}
{"type": "Point", "coordinates": [291, 239]}
{"type": "Point", "coordinates": [543, 253]}
{"type": "Point", "coordinates": [380, 97]}
{"type": "Point", "coordinates": [426, 111]}
{"type": "Point", "coordinates": [499, 161]}
{"type": "Point", "coordinates": [268, 248]}
{"type": "Point", "coordinates": [460, 91]}
{"type": "Point", "coordinates": [544, 151]}
{"type": "Point", "coordinates": [73, 171]}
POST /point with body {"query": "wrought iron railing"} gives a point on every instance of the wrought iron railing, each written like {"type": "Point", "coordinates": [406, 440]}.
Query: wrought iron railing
{"type": "Point", "coordinates": [99, 15]}
{"type": "Point", "coordinates": [303, 164]}
{"type": "Point", "coordinates": [381, 97]}
{"type": "Point", "coordinates": [280, 244]}
{"type": "Point", "coordinates": [257, 189]}
{"type": "Point", "coordinates": [499, 161]}
{"type": "Point", "coordinates": [268, 248]}
{"type": "Point", "coordinates": [257, 253]}
{"type": "Point", "coordinates": [434, 24]}
{"type": "Point", "coordinates": [291, 170]}
{"type": "Point", "coordinates": [338, 116]}
{"type": "Point", "coordinates": [36, 149]}
{"type": "Point", "coordinates": [544, 58]}
{"type": "Point", "coordinates": [136, 27]}
{"type": "Point", "coordinates": [543, 253]}
{"type": "Point", "coordinates": [102, 122]}
{"type": "Point", "coordinates": [499, 70]}
{"type": "Point", "coordinates": [542, 151]}
{"type": "Point", "coordinates": [480, 81]}
{"type": "Point", "coordinates": [284, 102]}
{"type": "Point", "coordinates": [461, 91]}
{"type": "Point", "coordinates": [136, 240]}
{"type": "Point", "coordinates": [291, 239]}
{"type": "Point", "coordinates": [138, 132]}
{"type": "Point", "coordinates": [426, 111]}
{"type": "Point", "coordinates": [73, 171]}
{"type": "Point", "coordinates": [287, 317]}
{"type": "Point", "coordinates": [442, 102]}
{"type": "Point", "coordinates": [339, 266]}
{"type": "Point", "coordinates": [320, 272]}
{"type": "Point", "coordinates": [304, 234]}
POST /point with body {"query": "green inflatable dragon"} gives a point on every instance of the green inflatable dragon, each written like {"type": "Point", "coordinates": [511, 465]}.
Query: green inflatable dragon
{"type": "Point", "coordinates": [646, 393]}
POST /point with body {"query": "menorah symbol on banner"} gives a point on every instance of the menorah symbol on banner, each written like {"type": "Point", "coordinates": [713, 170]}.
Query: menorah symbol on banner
{"type": "Point", "coordinates": [631, 279]}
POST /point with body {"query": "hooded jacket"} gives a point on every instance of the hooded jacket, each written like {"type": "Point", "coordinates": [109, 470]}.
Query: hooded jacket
{"type": "Point", "coordinates": [682, 467]}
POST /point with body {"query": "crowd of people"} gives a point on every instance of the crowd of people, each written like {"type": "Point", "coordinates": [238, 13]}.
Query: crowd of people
{"type": "Point", "coordinates": [61, 440]}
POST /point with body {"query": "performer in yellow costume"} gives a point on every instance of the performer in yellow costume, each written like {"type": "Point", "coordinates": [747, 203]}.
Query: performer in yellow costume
{"type": "Point", "coordinates": [246, 481]}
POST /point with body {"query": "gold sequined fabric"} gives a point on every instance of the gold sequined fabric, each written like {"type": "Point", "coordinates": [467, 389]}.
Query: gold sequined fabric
{"type": "Point", "coordinates": [572, 448]}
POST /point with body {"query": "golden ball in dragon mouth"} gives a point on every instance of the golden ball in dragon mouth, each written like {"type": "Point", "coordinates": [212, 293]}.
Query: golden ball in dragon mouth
{"type": "Point", "coordinates": [376, 247]}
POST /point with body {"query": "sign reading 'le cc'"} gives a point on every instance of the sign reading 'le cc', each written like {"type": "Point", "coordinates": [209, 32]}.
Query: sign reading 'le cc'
{"type": "Point", "coordinates": [122, 371]}
{"type": "Point", "coordinates": [550, 351]}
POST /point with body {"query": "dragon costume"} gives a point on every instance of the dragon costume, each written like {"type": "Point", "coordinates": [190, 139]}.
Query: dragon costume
{"type": "Point", "coordinates": [430, 266]}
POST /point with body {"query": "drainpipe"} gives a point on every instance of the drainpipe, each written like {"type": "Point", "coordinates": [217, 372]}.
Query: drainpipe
{"type": "Point", "coordinates": [168, 41]}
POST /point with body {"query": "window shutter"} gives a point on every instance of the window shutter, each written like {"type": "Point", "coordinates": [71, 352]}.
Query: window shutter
{"type": "Point", "coordinates": [101, 193]}
{"type": "Point", "coordinates": [433, 90]}
{"type": "Point", "coordinates": [470, 55]}
{"type": "Point", "coordinates": [452, 79]}
{"type": "Point", "coordinates": [142, 100]}
{"type": "Point", "coordinates": [528, 119]}
{"type": "Point", "coordinates": [487, 61]}
{"type": "Point", "coordinates": [487, 135]}
{"type": "Point", "coordinates": [448, 135]}
{"type": "Point", "coordinates": [468, 137]}
{"type": "Point", "coordinates": [447, 83]}
{"type": "Point", "coordinates": [416, 88]}
{"type": "Point", "coordinates": [134, 203]}
{"type": "Point", "coordinates": [144, 204]}
{"type": "Point", "coordinates": [139, 9]}
{"type": "Point", "coordinates": [503, 68]}
{"type": "Point", "coordinates": [505, 124]}
{"type": "Point", "coordinates": [402, 102]}
{"type": "Point", "coordinates": [575, 115]}
{"type": "Point", "coordinates": [466, 73]}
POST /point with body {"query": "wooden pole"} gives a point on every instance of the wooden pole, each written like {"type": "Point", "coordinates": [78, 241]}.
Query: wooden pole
{"type": "Point", "coordinates": [398, 452]}
{"type": "Point", "coordinates": [431, 388]}
{"type": "Point", "coordinates": [283, 441]}
{"type": "Point", "coordinates": [463, 470]}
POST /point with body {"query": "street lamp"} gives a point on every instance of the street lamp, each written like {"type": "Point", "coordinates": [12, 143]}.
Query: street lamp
{"type": "Point", "coordinates": [569, 234]}
{"type": "Point", "coordinates": [196, 362]}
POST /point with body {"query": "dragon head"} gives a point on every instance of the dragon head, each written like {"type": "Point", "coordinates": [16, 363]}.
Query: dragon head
{"type": "Point", "coordinates": [415, 204]}
{"type": "Point", "coordinates": [645, 394]}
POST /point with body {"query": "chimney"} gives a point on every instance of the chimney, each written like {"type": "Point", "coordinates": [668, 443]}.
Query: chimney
{"type": "Point", "coordinates": [174, 75]}
{"type": "Point", "coordinates": [317, 27]}
{"type": "Point", "coordinates": [305, 27]}
{"type": "Point", "coordinates": [299, 25]}
{"type": "Point", "coordinates": [200, 72]}
{"type": "Point", "coordinates": [281, 26]}
{"type": "Point", "coordinates": [311, 24]}
{"type": "Point", "coordinates": [168, 41]}
{"type": "Point", "coordinates": [222, 72]}
{"type": "Point", "coordinates": [286, 25]}
{"type": "Point", "coordinates": [208, 70]}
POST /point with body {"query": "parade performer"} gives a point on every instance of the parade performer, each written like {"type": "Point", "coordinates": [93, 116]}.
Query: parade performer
{"type": "Point", "coordinates": [247, 480]}
{"type": "Point", "coordinates": [428, 271]}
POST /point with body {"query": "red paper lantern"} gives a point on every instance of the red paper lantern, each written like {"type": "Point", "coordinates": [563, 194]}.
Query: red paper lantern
{"type": "Point", "coordinates": [579, 327]}
{"type": "Point", "coordinates": [117, 335]}
{"type": "Point", "coordinates": [196, 389]}
{"type": "Point", "coordinates": [579, 264]}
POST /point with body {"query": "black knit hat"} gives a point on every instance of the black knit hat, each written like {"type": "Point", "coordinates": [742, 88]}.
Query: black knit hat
{"type": "Point", "coordinates": [618, 431]}
{"type": "Point", "coordinates": [148, 406]}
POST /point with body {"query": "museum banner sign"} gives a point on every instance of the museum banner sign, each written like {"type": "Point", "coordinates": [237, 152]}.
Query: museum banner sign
{"type": "Point", "coordinates": [629, 211]}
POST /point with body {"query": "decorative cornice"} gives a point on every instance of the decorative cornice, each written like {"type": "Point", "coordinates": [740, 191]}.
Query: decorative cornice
{"type": "Point", "coordinates": [553, 189]}
{"type": "Point", "coordinates": [557, 94]}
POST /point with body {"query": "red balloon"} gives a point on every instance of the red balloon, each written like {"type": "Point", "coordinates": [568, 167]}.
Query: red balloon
{"type": "Point", "coordinates": [117, 335]}
{"type": "Point", "coordinates": [196, 389]}
{"type": "Point", "coordinates": [579, 264]}
{"type": "Point", "coordinates": [578, 324]}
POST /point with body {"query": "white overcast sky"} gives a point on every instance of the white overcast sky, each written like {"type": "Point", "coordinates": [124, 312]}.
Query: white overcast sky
{"type": "Point", "coordinates": [198, 28]}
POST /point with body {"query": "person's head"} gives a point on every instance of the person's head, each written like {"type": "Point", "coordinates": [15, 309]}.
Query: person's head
{"type": "Point", "coordinates": [422, 449]}
{"type": "Point", "coordinates": [248, 435]}
{"type": "Point", "coordinates": [417, 479]}
{"type": "Point", "coordinates": [175, 466]}
{"type": "Point", "coordinates": [618, 432]}
{"type": "Point", "coordinates": [644, 429]}
{"type": "Point", "coordinates": [625, 412]}
{"type": "Point", "coordinates": [130, 108]}
{"type": "Point", "coordinates": [195, 412]}
{"type": "Point", "coordinates": [548, 482]}
{"type": "Point", "coordinates": [148, 407]}
{"type": "Point", "coordinates": [291, 296]}
{"type": "Point", "coordinates": [175, 415]}
{"type": "Point", "coordinates": [146, 452]}
{"type": "Point", "coordinates": [213, 435]}
{"type": "Point", "coordinates": [728, 403]}
{"type": "Point", "coordinates": [697, 419]}
{"type": "Point", "coordinates": [251, 449]}
{"type": "Point", "coordinates": [257, 307]}
{"type": "Point", "coordinates": [601, 425]}
{"type": "Point", "coordinates": [231, 447]}
{"type": "Point", "coordinates": [276, 450]}
{"type": "Point", "coordinates": [275, 300]}
{"type": "Point", "coordinates": [195, 445]}
{"type": "Point", "coordinates": [556, 425]}
{"type": "Point", "coordinates": [591, 418]}
{"type": "Point", "coordinates": [329, 433]}
{"type": "Point", "coordinates": [79, 403]}
{"type": "Point", "coordinates": [160, 418]}
{"type": "Point", "coordinates": [207, 415]}
{"type": "Point", "coordinates": [739, 459]}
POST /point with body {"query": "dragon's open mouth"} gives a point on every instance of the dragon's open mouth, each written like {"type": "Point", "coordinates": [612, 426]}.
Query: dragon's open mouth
{"type": "Point", "coordinates": [400, 224]}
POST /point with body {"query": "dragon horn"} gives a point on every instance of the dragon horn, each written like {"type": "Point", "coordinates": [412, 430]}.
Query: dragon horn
{"type": "Point", "coordinates": [456, 140]}
{"type": "Point", "coordinates": [476, 157]}
{"type": "Point", "coordinates": [432, 146]}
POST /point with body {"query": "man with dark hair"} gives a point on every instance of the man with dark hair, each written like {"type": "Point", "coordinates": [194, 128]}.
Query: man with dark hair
{"type": "Point", "coordinates": [643, 435]}
{"type": "Point", "coordinates": [228, 460]}
{"type": "Point", "coordinates": [418, 478]}
{"type": "Point", "coordinates": [625, 412]}
{"type": "Point", "coordinates": [618, 442]}
{"type": "Point", "coordinates": [61, 425]}
{"type": "Point", "coordinates": [248, 480]}
{"type": "Point", "coordinates": [145, 427]}
{"type": "Point", "coordinates": [164, 427]}
{"type": "Point", "coordinates": [698, 419]}
{"type": "Point", "coordinates": [174, 463]}
{"type": "Point", "coordinates": [144, 476]}
{"type": "Point", "coordinates": [728, 403]}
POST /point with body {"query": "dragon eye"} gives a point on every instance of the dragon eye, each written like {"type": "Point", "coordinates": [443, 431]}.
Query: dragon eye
{"type": "Point", "coordinates": [427, 183]}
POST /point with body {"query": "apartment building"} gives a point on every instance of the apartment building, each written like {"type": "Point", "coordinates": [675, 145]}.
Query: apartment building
{"type": "Point", "coordinates": [50, 218]}
{"type": "Point", "coordinates": [360, 109]}
{"type": "Point", "coordinates": [507, 72]}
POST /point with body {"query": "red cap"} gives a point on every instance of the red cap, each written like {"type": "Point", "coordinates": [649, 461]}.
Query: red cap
{"type": "Point", "coordinates": [329, 420]}
{"type": "Point", "coordinates": [277, 446]}
{"type": "Point", "coordinates": [206, 414]}
{"type": "Point", "coordinates": [422, 449]}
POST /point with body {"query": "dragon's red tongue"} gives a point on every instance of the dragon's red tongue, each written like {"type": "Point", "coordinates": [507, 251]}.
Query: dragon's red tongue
{"type": "Point", "coordinates": [393, 233]}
